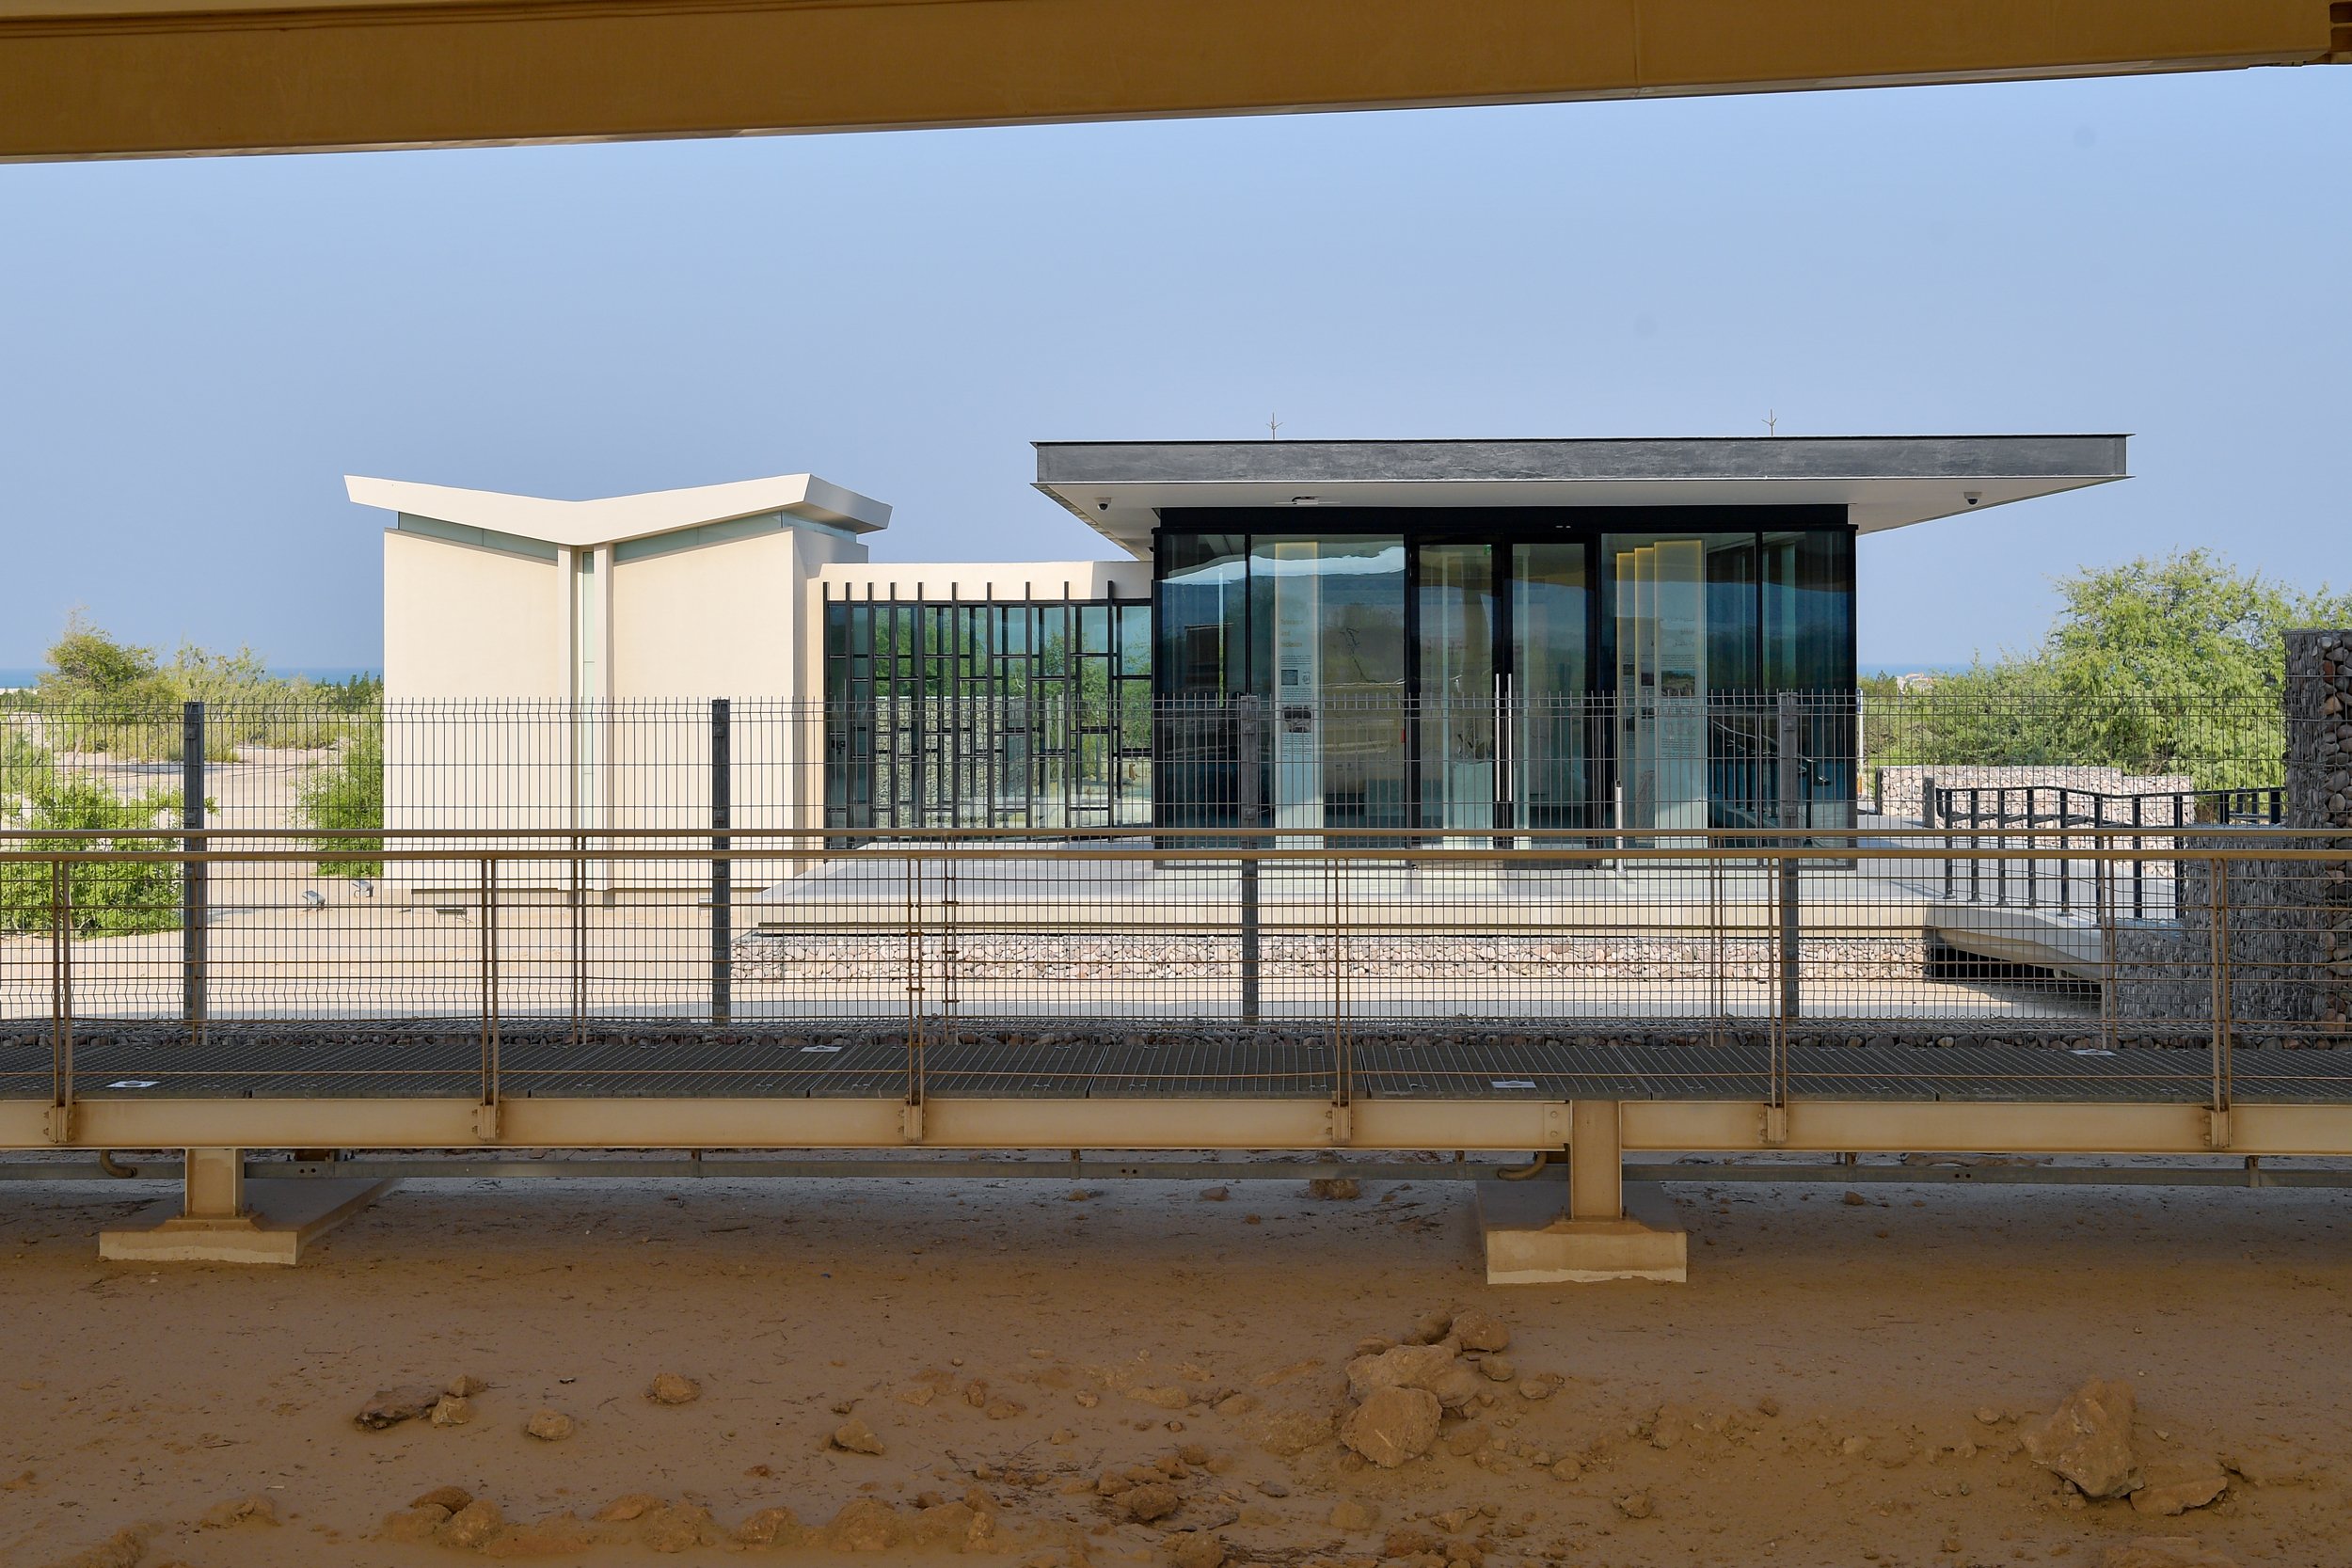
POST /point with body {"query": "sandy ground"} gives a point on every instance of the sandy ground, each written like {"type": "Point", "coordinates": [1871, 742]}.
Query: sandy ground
{"type": "Point", "coordinates": [1839, 1381]}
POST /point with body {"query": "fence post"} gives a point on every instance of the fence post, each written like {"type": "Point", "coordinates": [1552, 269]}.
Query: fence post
{"type": "Point", "coordinates": [195, 876]}
{"type": "Point", "coordinates": [1343, 1076]}
{"type": "Point", "coordinates": [721, 867]}
{"type": "Point", "coordinates": [1930, 812]}
{"type": "Point", "coordinates": [2140, 883]}
{"type": "Point", "coordinates": [914, 965]}
{"type": "Point", "coordinates": [2219, 905]}
{"type": "Point", "coordinates": [2103, 889]}
{"type": "Point", "coordinates": [1791, 807]}
{"type": "Point", "coordinates": [486, 1113]}
{"type": "Point", "coordinates": [2003, 819]}
{"type": "Point", "coordinates": [2066, 846]}
{"type": "Point", "coordinates": [1249, 787]}
{"type": "Point", "coordinates": [60, 1001]}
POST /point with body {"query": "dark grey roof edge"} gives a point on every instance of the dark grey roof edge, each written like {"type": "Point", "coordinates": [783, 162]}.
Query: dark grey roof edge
{"type": "Point", "coordinates": [1594, 458]}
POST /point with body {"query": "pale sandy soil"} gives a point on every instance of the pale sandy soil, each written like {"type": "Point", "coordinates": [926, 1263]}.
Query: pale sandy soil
{"type": "Point", "coordinates": [132, 1394]}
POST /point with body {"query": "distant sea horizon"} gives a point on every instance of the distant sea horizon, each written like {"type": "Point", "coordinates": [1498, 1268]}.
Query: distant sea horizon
{"type": "Point", "coordinates": [1923, 667]}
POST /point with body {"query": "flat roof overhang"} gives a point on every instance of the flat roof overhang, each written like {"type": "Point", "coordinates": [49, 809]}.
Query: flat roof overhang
{"type": "Point", "coordinates": [616, 519]}
{"type": "Point", "coordinates": [114, 78]}
{"type": "Point", "coordinates": [1885, 482]}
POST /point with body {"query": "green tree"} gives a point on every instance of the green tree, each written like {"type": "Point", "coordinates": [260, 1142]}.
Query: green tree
{"type": "Point", "coordinates": [346, 794]}
{"type": "Point", "coordinates": [100, 694]}
{"type": "Point", "coordinates": [2170, 664]}
{"type": "Point", "coordinates": [2182, 623]}
{"type": "Point", "coordinates": [108, 898]}
{"type": "Point", "coordinates": [86, 662]}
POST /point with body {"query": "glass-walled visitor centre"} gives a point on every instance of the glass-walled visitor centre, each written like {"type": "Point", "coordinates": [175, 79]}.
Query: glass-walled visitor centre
{"type": "Point", "coordinates": [1460, 636]}
{"type": "Point", "coordinates": [1458, 669]}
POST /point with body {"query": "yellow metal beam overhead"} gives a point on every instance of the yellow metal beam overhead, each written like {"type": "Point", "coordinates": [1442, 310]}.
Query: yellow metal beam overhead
{"type": "Point", "coordinates": [130, 78]}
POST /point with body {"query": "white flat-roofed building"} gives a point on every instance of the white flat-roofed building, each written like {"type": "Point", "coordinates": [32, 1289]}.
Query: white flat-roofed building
{"type": "Point", "coordinates": [609, 626]}
{"type": "Point", "coordinates": [1462, 636]}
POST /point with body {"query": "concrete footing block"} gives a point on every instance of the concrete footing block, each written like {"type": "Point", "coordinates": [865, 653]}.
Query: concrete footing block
{"type": "Point", "coordinates": [280, 1218]}
{"type": "Point", "coordinates": [1530, 1240]}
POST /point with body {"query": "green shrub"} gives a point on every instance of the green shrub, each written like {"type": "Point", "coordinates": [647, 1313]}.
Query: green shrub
{"type": "Point", "coordinates": [24, 767]}
{"type": "Point", "coordinates": [109, 898]}
{"type": "Point", "coordinates": [347, 794]}
{"type": "Point", "coordinates": [101, 696]}
{"type": "Point", "coordinates": [2172, 664]}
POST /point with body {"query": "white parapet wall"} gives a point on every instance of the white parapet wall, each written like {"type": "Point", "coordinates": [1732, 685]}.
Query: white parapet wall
{"type": "Point", "coordinates": [550, 664]}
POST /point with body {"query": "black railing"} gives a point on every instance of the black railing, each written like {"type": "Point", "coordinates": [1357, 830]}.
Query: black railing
{"type": "Point", "coordinates": [1987, 819]}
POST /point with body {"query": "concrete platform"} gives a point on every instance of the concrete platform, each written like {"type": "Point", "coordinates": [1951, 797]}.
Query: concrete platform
{"type": "Point", "coordinates": [275, 1224]}
{"type": "Point", "coordinates": [1531, 1240]}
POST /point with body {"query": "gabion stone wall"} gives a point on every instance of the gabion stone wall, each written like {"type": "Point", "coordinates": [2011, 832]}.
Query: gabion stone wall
{"type": "Point", "coordinates": [2319, 730]}
{"type": "Point", "coordinates": [2289, 923]}
{"type": "Point", "coordinates": [2319, 797]}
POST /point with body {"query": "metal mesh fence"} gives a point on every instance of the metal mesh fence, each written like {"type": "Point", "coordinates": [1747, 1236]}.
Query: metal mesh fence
{"type": "Point", "coordinates": [653, 898]}
{"type": "Point", "coordinates": [1096, 964]}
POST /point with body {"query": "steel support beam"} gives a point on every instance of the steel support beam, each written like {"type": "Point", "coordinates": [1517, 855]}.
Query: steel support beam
{"type": "Point", "coordinates": [1595, 1160]}
{"type": "Point", "coordinates": [1497, 1126]}
{"type": "Point", "coordinates": [112, 78]}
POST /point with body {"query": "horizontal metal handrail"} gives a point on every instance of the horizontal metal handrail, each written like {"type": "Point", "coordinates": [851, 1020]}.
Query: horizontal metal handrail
{"type": "Point", "coordinates": [1694, 855]}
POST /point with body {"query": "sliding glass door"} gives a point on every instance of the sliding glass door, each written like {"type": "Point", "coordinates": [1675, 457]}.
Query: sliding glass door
{"type": "Point", "coordinates": [1469, 674]}
{"type": "Point", "coordinates": [1459, 691]}
{"type": "Point", "coordinates": [1549, 687]}
{"type": "Point", "coordinates": [1329, 645]}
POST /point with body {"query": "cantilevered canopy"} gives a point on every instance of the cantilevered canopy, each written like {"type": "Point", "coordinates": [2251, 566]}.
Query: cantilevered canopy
{"type": "Point", "coordinates": [614, 519]}
{"type": "Point", "coordinates": [116, 78]}
{"type": "Point", "coordinates": [1884, 481]}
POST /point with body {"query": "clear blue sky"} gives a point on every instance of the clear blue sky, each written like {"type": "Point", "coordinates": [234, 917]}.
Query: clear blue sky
{"type": "Point", "coordinates": [193, 352]}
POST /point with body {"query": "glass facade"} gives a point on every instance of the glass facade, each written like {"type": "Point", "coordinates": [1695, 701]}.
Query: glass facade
{"type": "Point", "coordinates": [1460, 673]}
{"type": "Point", "coordinates": [1028, 714]}
{"type": "Point", "coordinates": [1471, 671]}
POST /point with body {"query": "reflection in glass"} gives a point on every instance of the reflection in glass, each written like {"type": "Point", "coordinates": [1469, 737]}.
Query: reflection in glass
{"type": "Point", "coordinates": [1203, 605]}
{"type": "Point", "coordinates": [1328, 650]}
{"type": "Point", "coordinates": [1809, 642]}
{"type": "Point", "coordinates": [1456, 706]}
{"type": "Point", "coordinates": [1552, 782]}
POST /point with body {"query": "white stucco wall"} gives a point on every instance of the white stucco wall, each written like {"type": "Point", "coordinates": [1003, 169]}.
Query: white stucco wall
{"type": "Point", "coordinates": [668, 629]}
{"type": "Point", "coordinates": [464, 622]}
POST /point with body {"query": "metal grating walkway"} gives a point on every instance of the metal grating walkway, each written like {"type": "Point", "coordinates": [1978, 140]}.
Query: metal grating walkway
{"type": "Point", "coordinates": [619, 1061]}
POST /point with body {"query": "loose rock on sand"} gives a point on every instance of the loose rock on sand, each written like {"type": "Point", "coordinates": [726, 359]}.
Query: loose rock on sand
{"type": "Point", "coordinates": [472, 1524]}
{"type": "Point", "coordinates": [392, 1406]}
{"type": "Point", "coordinates": [551, 1426]}
{"type": "Point", "coordinates": [855, 1436]}
{"type": "Point", "coordinates": [1392, 1425]}
{"type": "Point", "coordinates": [239, 1511]}
{"type": "Point", "coordinates": [2088, 1439]}
{"type": "Point", "coordinates": [669, 1389]}
{"type": "Point", "coordinates": [2175, 1485]}
{"type": "Point", "coordinates": [122, 1549]}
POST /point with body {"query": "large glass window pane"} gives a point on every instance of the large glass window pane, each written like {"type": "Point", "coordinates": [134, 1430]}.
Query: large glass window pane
{"type": "Point", "coordinates": [1203, 605]}
{"type": "Point", "coordinates": [1551, 686]}
{"type": "Point", "coordinates": [1808, 647]}
{"type": "Point", "coordinates": [1328, 640]}
{"type": "Point", "coordinates": [1690, 739]}
{"type": "Point", "coordinates": [1203, 630]}
{"type": "Point", "coordinates": [1731, 615]}
{"type": "Point", "coordinates": [1665, 624]}
{"type": "Point", "coordinates": [1808, 611]}
{"type": "Point", "coordinates": [1456, 706]}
